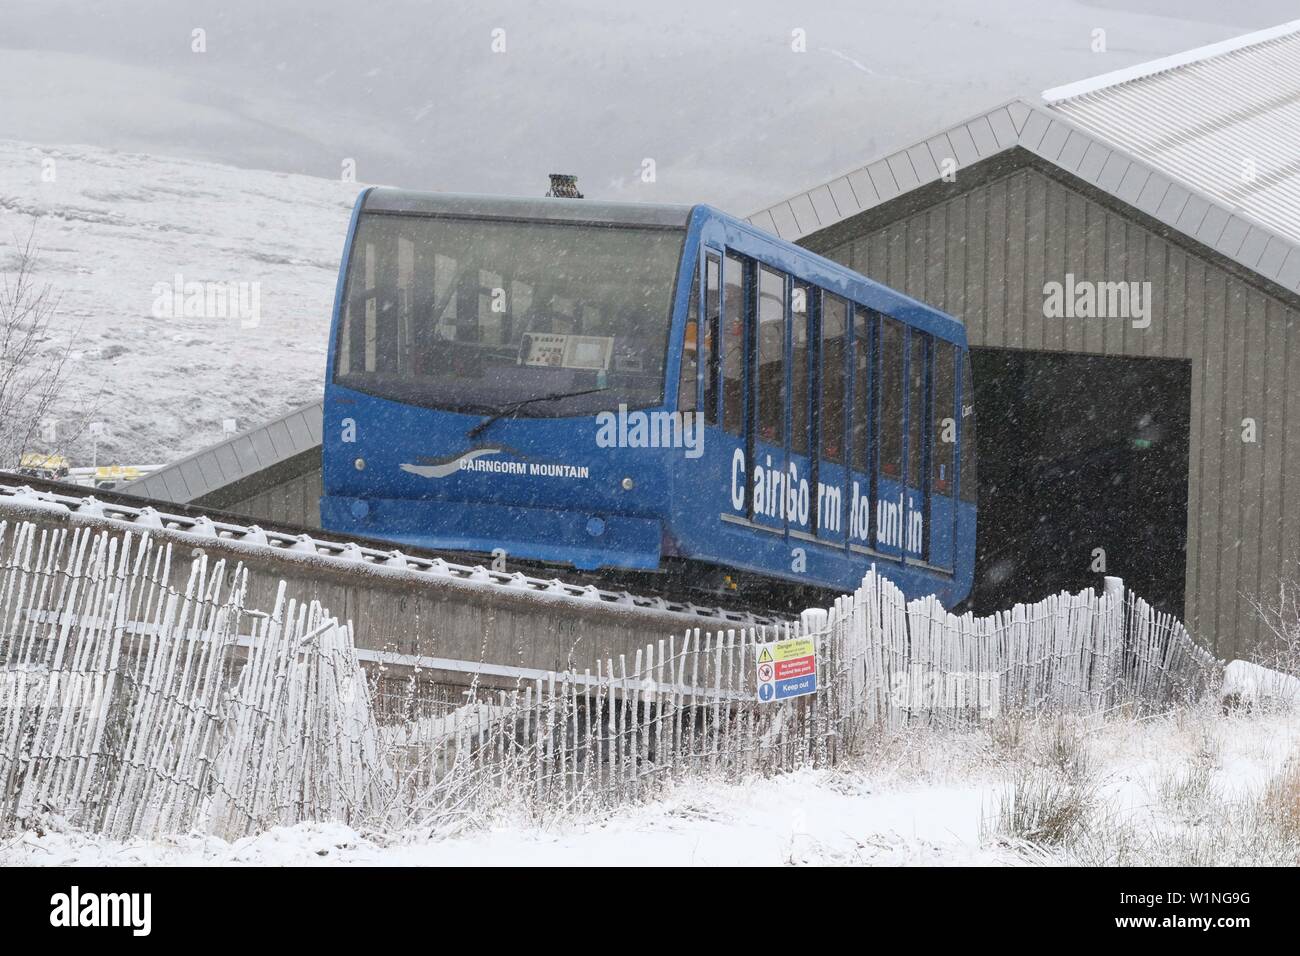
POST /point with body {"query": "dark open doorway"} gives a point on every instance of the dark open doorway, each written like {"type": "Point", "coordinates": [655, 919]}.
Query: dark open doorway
{"type": "Point", "coordinates": [1079, 452]}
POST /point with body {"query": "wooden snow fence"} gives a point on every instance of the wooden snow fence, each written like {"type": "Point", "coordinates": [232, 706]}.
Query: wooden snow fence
{"type": "Point", "coordinates": [614, 731]}
{"type": "Point", "coordinates": [129, 709]}
{"type": "Point", "coordinates": [132, 709]}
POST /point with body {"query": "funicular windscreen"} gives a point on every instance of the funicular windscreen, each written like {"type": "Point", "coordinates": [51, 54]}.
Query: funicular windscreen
{"type": "Point", "coordinates": [476, 314]}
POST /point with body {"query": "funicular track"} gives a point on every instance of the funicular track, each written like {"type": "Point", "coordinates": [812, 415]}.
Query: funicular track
{"type": "Point", "coordinates": [451, 622]}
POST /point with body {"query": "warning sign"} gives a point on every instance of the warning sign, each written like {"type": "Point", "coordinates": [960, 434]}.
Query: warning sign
{"type": "Point", "coordinates": [786, 669]}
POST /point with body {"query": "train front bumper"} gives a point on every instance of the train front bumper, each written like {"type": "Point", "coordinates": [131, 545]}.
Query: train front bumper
{"type": "Point", "coordinates": [585, 539]}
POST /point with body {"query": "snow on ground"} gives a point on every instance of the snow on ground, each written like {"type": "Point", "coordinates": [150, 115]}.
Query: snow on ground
{"type": "Point", "coordinates": [807, 817]}
{"type": "Point", "coordinates": [916, 799]}
{"type": "Point", "coordinates": [111, 226]}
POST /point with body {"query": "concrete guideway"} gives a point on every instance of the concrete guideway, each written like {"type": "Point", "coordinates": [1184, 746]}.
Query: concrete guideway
{"type": "Point", "coordinates": [451, 622]}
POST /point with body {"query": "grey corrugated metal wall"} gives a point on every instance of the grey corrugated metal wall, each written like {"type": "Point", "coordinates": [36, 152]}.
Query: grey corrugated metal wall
{"type": "Point", "coordinates": [295, 500]}
{"type": "Point", "coordinates": [984, 255]}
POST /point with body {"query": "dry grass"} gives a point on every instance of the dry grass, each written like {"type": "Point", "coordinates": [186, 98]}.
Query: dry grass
{"type": "Point", "coordinates": [1040, 808]}
{"type": "Point", "coordinates": [1189, 792]}
{"type": "Point", "coordinates": [1056, 808]}
{"type": "Point", "coordinates": [1050, 790]}
{"type": "Point", "coordinates": [1280, 803]}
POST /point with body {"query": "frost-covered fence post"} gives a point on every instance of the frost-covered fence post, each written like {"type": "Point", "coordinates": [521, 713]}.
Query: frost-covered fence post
{"type": "Point", "coordinates": [1110, 662]}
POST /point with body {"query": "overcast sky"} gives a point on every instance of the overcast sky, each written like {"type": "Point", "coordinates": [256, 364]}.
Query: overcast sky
{"type": "Point", "coordinates": [414, 93]}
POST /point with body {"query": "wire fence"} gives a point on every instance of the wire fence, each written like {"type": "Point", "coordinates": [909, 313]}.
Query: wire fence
{"type": "Point", "coordinates": [131, 708]}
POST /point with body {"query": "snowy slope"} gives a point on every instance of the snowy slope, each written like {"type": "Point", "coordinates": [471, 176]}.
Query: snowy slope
{"type": "Point", "coordinates": [113, 225]}
{"type": "Point", "coordinates": [1168, 790]}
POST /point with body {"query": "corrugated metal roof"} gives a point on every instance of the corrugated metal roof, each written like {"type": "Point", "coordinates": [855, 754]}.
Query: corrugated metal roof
{"type": "Point", "coordinates": [1224, 119]}
{"type": "Point", "coordinates": [234, 459]}
{"type": "Point", "coordinates": [1056, 138]}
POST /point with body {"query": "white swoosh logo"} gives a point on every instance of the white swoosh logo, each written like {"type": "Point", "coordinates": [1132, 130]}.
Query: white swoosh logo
{"type": "Point", "coordinates": [444, 468]}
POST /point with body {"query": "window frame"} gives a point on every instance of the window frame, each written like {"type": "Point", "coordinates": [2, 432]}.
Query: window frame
{"type": "Point", "coordinates": [942, 348]}
{"type": "Point", "coordinates": [807, 409]}
{"type": "Point", "coordinates": [760, 415]}
{"type": "Point", "coordinates": [688, 388]}
{"type": "Point", "coordinates": [740, 407]}
{"type": "Point", "coordinates": [882, 392]}
{"type": "Point", "coordinates": [967, 461]}
{"type": "Point", "coordinates": [845, 397]}
{"type": "Point", "coordinates": [711, 339]}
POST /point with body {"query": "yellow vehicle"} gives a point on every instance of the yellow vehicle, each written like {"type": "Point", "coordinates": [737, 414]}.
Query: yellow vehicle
{"type": "Point", "coordinates": [110, 476]}
{"type": "Point", "coordinates": [37, 465]}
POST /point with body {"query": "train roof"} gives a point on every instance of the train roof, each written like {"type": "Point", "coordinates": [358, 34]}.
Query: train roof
{"type": "Point", "coordinates": [386, 199]}
{"type": "Point", "coordinates": [662, 215]}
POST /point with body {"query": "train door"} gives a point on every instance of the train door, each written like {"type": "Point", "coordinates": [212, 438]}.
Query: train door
{"type": "Point", "coordinates": [737, 282]}
{"type": "Point", "coordinates": [967, 471]}
{"type": "Point", "coordinates": [711, 337]}
{"type": "Point", "coordinates": [688, 385]}
{"type": "Point", "coordinates": [889, 512]}
{"type": "Point", "coordinates": [800, 469]}
{"type": "Point", "coordinates": [768, 400]}
{"type": "Point", "coordinates": [943, 447]}
{"type": "Point", "coordinates": [860, 491]}
{"type": "Point", "coordinates": [832, 407]}
{"type": "Point", "coordinates": [916, 523]}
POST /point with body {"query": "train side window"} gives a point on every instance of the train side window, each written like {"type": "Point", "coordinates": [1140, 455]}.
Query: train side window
{"type": "Point", "coordinates": [770, 393]}
{"type": "Point", "coordinates": [709, 342]}
{"type": "Point", "coordinates": [352, 341]}
{"type": "Point", "coordinates": [968, 482]}
{"type": "Point", "coordinates": [383, 335]}
{"type": "Point", "coordinates": [918, 411]}
{"type": "Point", "coordinates": [865, 325]}
{"type": "Point", "coordinates": [803, 306]}
{"type": "Point", "coordinates": [687, 383]}
{"type": "Point", "coordinates": [733, 345]}
{"type": "Point", "coordinates": [832, 400]}
{"type": "Point", "coordinates": [943, 426]}
{"type": "Point", "coordinates": [889, 398]}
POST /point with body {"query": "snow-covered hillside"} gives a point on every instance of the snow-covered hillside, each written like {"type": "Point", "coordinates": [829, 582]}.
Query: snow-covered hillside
{"type": "Point", "coordinates": [113, 226]}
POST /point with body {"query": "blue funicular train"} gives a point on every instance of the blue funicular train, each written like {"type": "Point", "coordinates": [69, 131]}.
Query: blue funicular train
{"type": "Point", "coordinates": [651, 388]}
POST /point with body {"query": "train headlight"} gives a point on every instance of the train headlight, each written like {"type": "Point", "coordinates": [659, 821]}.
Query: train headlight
{"type": "Point", "coordinates": [628, 484]}
{"type": "Point", "coordinates": [360, 464]}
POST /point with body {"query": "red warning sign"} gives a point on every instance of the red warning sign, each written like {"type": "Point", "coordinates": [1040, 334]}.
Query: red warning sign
{"type": "Point", "coordinates": [796, 667]}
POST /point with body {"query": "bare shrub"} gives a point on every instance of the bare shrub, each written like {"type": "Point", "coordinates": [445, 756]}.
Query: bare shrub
{"type": "Point", "coordinates": [32, 363]}
{"type": "Point", "coordinates": [1280, 614]}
